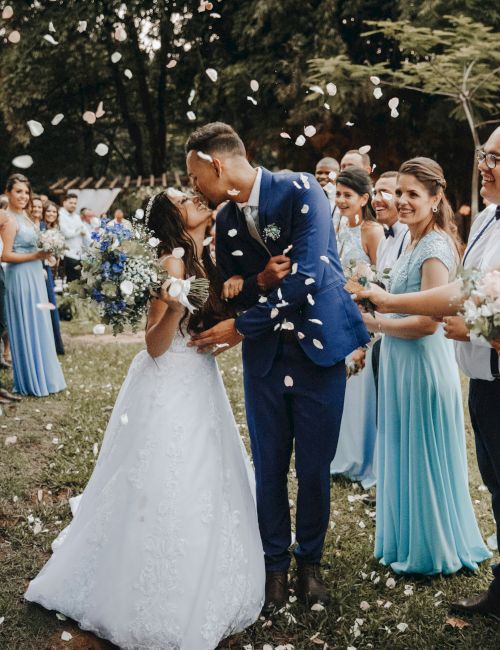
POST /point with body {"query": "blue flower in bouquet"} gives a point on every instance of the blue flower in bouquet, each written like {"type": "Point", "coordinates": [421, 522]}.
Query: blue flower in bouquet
{"type": "Point", "coordinates": [122, 257]}
{"type": "Point", "coordinates": [97, 295]}
{"type": "Point", "coordinates": [95, 236]}
{"type": "Point", "coordinates": [117, 268]}
{"type": "Point", "coordinates": [104, 245]}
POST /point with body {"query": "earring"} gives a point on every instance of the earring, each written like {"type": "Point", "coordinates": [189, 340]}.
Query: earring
{"type": "Point", "coordinates": [434, 208]}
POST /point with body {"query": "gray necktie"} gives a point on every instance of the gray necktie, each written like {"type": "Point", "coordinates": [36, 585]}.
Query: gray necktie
{"type": "Point", "coordinates": [252, 218]}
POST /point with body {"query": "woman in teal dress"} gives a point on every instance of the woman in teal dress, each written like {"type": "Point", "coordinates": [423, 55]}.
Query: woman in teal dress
{"type": "Point", "coordinates": [425, 519]}
{"type": "Point", "coordinates": [35, 364]}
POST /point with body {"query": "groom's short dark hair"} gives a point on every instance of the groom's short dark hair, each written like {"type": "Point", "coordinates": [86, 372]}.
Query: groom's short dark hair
{"type": "Point", "coordinates": [215, 137]}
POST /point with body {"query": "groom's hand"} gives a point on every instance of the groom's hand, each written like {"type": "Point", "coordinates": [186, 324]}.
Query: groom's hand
{"type": "Point", "coordinates": [276, 269]}
{"type": "Point", "coordinates": [218, 338]}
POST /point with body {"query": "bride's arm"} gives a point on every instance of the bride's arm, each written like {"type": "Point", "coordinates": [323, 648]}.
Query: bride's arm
{"type": "Point", "coordinates": [165, 314]}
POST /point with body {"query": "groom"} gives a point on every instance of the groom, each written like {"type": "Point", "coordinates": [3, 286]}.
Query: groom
{"type": "Point", "coordinates": [297, 328]}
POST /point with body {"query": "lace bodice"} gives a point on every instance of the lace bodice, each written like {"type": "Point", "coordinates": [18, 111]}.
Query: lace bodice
{"type": "Point", "coordinates": [350, 246]}
{"type": "Point", "coordinates": [406, 276]}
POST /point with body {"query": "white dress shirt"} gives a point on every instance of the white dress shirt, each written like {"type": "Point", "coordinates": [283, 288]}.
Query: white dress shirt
{"type": "Point", "coordinates": [124, 222]}
{"type": "Point", "coordinates": [390, 248]}
{"type": "Point", "coordinates": [253, 199]}
{"type": "Point", "coordinates": [481, 253]}
{"type": "Point", "coordinates": [75, 234]}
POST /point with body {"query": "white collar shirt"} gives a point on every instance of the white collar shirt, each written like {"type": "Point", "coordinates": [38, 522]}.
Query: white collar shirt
{"type": "Point", "coordinates": [75, 235]}
{"type": "Point", "coordinates": [253, 199]}
{"type": "Point", "coordinates": [482, 252]}
{"type": "Point", "coordinates": [390, 248]}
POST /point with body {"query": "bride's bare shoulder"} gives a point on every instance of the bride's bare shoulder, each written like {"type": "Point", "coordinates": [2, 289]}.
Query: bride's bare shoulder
{"type": "Point", "coordinates": [173, 266]}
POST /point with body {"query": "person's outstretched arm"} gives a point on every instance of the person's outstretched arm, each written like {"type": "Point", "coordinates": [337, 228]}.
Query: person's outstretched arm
{"type": "Point", "coordinates": [436, 303]}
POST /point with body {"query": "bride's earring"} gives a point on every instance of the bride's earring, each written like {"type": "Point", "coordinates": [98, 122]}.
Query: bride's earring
{"type": "Point", "coordinates": [434, 208]}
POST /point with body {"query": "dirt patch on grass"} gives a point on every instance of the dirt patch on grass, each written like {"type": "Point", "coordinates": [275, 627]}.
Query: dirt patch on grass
{"type": "Point", "coordinates": [108, 338]}
{"type": "Point", "coordinates": [80, 641]}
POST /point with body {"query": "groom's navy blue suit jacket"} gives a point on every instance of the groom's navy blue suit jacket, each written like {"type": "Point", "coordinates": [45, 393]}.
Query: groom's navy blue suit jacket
{"type": "Point", "coordinates": [325, 318]}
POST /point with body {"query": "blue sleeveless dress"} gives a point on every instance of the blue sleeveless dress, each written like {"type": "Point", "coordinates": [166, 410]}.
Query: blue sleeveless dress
{"type": "Point", "coordinates": [35, 364]}
{"type": "Point", "coordinates": [355, 455]}
{"type": "Point", "coordinates": [425, 519]}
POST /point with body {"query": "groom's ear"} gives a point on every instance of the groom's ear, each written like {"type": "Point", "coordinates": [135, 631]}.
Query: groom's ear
{"type": "Point", "coordinates": [217, 165]}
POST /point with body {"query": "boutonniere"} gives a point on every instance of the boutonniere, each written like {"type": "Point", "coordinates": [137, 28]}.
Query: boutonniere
{"type": "Point", "coordinates": [272, 231]}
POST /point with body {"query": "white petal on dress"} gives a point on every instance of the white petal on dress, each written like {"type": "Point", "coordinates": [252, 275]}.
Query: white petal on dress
{"type": "Point", "coordinates": [164, 549]}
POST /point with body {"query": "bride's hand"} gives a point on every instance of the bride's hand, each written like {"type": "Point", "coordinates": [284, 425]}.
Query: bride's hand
{"type": "Point", "coordinates": [172, 301]}
{"type": "Point", "coordinates": [378, 296]}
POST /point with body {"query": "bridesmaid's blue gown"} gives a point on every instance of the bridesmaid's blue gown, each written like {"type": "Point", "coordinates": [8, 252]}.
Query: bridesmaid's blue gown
{"type": "Point", "coordinates": [425, 519]}
{"type": "Point", "coordinates": [355, 457]}
{"type": "Point", "coordinates": [34, 359]}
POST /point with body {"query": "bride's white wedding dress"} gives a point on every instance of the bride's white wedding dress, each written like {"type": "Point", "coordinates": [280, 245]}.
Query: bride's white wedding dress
{"type": "Point", "coordinates": [164, 549]}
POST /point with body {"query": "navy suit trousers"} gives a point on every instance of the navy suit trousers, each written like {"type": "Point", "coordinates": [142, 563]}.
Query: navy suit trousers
{"type": "Point", "coordinates": [484, 407]}
{"type": "Point", "coordinates": [309, 413]}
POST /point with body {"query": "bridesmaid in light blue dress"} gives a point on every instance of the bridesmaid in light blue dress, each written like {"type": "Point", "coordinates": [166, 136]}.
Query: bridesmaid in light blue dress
{"type": "Point", "coordinates": [355, 455]}
{"type": "Point", "coordinates": [425, 519]}
{"type": "Point", "coordinates": [35, 364]}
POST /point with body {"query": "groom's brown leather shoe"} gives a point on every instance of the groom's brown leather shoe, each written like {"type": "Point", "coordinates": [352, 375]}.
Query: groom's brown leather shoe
{"type": "Point", "coordinates": [483, 603]}
{"type": "Point", "coordinates": [276, 591]}
{"type": "Point", "coordinates": [310, 586]}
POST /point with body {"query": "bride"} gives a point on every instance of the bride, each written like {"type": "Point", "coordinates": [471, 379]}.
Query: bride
{"type": "Point", "coordinates": [164, 549]}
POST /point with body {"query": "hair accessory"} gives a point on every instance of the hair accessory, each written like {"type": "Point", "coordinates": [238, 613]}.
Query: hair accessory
{"type": "Point", "coordinates": [148, 208]}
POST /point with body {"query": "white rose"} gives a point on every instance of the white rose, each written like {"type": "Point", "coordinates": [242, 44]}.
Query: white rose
{"type": "Point", "coordinates": [127, 288]}
{"type": "Point", "coordinates": [153, 242]}
{"type": "Point", "coordinates": [99, 329]}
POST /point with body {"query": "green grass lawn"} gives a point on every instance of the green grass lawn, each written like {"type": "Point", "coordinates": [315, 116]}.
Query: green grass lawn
{"type": "Point", "coordinates": [57, 442]}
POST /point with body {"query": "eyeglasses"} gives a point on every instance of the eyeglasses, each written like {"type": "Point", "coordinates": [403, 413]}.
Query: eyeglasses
{"type": "Point", "coordinates": [490, 158]}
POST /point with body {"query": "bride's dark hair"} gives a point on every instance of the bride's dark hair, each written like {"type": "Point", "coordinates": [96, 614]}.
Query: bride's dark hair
{"type": "Point", "coordinates": [164, 220]}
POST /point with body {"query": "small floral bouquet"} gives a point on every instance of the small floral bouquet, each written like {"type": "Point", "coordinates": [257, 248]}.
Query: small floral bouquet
{"type": "Point", "coordinates": [122, 270]}
{"type": "Point", "coordinates": [360, 275]}
{"type": "Point", "coordinates": [481, 308]}
{"type": "Point", "coordinates": [52, 241]}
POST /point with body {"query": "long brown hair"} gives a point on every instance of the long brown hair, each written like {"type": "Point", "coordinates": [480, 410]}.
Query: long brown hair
{"type": "Point", "coordinates": [430, 174]}
{"type": "Point", "coordinates": [165, 221]}
{"type": "Point", "coordinates": [358, 181]}
{"type": "Point", "coordinates": [46, 206]}
{"type": "Point", "coordinates": [20, 178]}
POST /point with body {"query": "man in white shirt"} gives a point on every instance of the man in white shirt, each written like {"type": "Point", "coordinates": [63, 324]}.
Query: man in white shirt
{"type": "Point", "coordinates": [479, 361]}
{"type": "Point", "coordinates": [119, 218]}
{"type": "Point", "coordinates": [396, 236]}
{"type": "Point", "coordinates": [75, 234]}
{"type": "Point", "coordinates": [326, 171]}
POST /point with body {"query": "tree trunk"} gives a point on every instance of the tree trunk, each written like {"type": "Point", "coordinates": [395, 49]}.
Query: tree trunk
{"type": "Point", "coordinates": [133, 127]}
{"type": "Point", "coordinates": [475, 172]}
{"type": "Point", "coordinates": [161, 98]}
{"type": "Point", "coordinates": [144, 95]}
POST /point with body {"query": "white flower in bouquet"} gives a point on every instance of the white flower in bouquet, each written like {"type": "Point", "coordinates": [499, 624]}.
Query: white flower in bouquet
{"type": "Point", "coordinates": [52, 241]}
{"type": "Point", "coordinates": [481, 308]}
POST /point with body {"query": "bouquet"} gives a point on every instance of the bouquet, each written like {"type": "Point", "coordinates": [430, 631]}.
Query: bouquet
{"type": "Point", "coordinates": [481, 308]}
{"type": "Point", "coordinates": [359, 276]}
{"type": "Point", "coordinates": [52, 241]}
{"type": "Point", "coordinates": [122, 270]}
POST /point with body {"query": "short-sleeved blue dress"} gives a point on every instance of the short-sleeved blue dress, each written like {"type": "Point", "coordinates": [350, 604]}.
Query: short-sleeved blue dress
{"type": "Point", "coordinates": [425, 519]}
